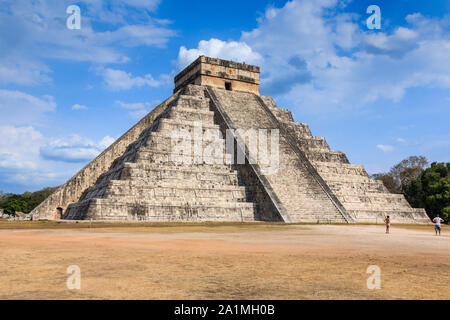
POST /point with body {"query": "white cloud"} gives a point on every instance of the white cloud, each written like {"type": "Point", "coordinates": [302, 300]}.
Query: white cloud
{"type": "Point", "coordinates": [121, 80]}
{"type": "Point", "coordinates": [139, 109]}
{"type": "Point", "coordinates": [385, 148]}
{"type": "Point", "coordinates": [138, 105]}
{"type": "Point", "coordinates": [19, 147]}
{"type": "Point", "coordinates": [79, 107]}
{"type": "Point", "coordinates": [236, 51]}
{"type": "Point", "coordinates": [73, 148]}
{"type": "Point", "coordinates": [146, 4]}
{"type": "Point", "coordinates": [320, 60]}
{"type": "Point", "coordinates": [23, 71]}
{"type": "Point", "coordinates": [21, 108]}
{"type": "Point", "coordinates": [28, 158]}
{"type": "Point", "coordinates": [33, 31]}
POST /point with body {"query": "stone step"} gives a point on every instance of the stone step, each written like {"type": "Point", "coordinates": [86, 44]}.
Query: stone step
{"type": "Point", "coordinates": [397, 216]}
{"type": "Point", "coordinates": [224, 177]}
{"type": "Point", "coordinates": [167, 143]}
{"type": "Point", "coordinates": [133, 177]}
{"type": "Point", "coordinates": [175, 124]}
{"type": "Point", "coordinates": [109, 209]}
{"type": "Point", "coordinates": [192, 114]}
{"type": "Point", "coordinates": [326, 156]}
{"type": "Point", "coordinates": [313, 143]}
{"type": "Point", "coordinates": [200, 168]}
{"type": "Point", "coordinates": [361, 207]}
{"type": "Point", "coordinates": [296, 129]}
{"type": "Point", "coordinates": [193, 102]}
{"type": "Point", "coordinates": [202, 185]}
{"type": "Point", "coordinates": [313, 149]}
{"type": "Point", "coordinates": [375, 198]}
{"type": "Point", "coordinates": [145, 155]}
{"type": "Point", "coordinates": [351, 187]}
{"type": "Point", "coordinates": [194, 198]}
{"type": "Point", "coordinates": [317, 217]}
{"type": "Point", "coordinates": [187, 193]}
{"type": "Point", "coordinates": [339, 168]}
{"type": "Point", "coordinates": [342, 178]}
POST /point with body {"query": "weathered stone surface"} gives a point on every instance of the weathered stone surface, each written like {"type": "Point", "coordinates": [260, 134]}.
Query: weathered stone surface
{"type": "Point", "coordinates": [364, 199]}
{"type": "Point", "coordinates": [299, 193]}
{"type": "Point", "coordinates": [19, 216]}
{"type": "Point", "coordinates": [219, 73]}
{"type": "Point", "coordinates": [144, 184]}
{"type": "Point", "coordinates": [137, 179]}
{"type": "Point", "coordinates": [3, 215]}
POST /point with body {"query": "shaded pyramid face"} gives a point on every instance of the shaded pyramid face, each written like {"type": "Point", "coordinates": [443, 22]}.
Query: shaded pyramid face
{"type": "Point", "coordinates": [310, 172]}
{"type": "Point", "coordinates": [143, 176]}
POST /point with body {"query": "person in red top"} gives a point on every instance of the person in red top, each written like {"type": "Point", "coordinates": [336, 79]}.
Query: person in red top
{"type": "Point", "coordinates": [388, 224]}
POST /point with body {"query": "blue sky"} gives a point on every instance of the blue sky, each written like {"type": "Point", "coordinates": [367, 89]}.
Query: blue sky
{"type": "Point", "coordinates": [65, 95]}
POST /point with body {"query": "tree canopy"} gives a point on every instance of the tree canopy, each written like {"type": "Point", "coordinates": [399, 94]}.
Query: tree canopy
{"type": "Point", "coordinates": [25, 202]}
{"type": "Point", "coordinates": [431, 190]}
{"type": "Point", "coordinates": [423, 188]}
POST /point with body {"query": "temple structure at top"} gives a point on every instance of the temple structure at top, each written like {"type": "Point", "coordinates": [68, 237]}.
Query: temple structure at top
{"type": "Point", "coordinates": [224, 74]}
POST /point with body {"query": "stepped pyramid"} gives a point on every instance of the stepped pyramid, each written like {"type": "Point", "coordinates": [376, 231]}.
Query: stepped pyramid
{"type": "Point", "coordinates": [141, 178]}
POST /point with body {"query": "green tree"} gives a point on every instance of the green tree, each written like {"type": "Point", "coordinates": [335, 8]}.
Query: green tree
{"type": "Point", "coordinates": [15, 203]}
{"type": "Point", "coordinates": [431, 190]}
{"type": "Point", "coordinates": [25, 202]}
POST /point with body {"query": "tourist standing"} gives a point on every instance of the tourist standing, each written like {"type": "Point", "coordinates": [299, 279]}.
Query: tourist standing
{"type": "Point", "coordinates": [388, 224]}
{"type": "Point", "coordinates": [437, 227]}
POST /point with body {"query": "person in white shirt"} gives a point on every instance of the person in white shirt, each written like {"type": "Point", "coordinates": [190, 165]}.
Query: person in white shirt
{"type": "Point", "coordinates": [437, 227]}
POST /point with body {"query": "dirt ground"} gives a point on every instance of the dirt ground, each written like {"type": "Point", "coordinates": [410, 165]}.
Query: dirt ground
{"type": "Point", "coordinates": [256, 261]}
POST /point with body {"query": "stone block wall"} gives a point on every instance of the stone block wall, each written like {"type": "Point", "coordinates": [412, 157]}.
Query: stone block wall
{"type": "Point", "coordinates": [364, 199]}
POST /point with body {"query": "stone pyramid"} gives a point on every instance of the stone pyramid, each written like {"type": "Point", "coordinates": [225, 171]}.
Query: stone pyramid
{"type": "Point", "coordinates": [138, 178]}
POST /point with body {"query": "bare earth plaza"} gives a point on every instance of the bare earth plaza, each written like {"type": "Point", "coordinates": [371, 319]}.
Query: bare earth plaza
{"type": "Point", "coordinates": [223, 262]}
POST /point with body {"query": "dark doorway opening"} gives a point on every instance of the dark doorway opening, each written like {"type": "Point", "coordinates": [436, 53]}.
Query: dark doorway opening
{"type": "Point", "coordinates": [59, 213]}
{"type": "Point", "coordinates": [228, 86]}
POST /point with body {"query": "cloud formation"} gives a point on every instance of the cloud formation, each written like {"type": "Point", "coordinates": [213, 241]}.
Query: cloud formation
{"type": "Point", "coordinates": [120, 80]}
{"type": "Point", "coordinates": [237, 51]}
{"type": "Point", "coordinates": [385, 148]}
{"type": "Point", "coordinates": [20, 108]}
{"type": "Point", "coordinates": [321, 60]}
{"type": "Point", "coordinates": [32, 31]}
{"type": "Point", "coordinates": [73, 148]}
{"type": "Point", "coordinates": [138, 109]}
{"type": "Point", "coordinates": [79, 107]}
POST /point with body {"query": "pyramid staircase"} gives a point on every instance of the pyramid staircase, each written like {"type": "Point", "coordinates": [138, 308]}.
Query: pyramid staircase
{"type": "Point", "coordinates": [366, 200]}
{"type": "Point", "coordinates": [299, 191]}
